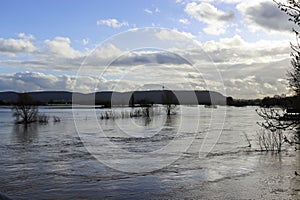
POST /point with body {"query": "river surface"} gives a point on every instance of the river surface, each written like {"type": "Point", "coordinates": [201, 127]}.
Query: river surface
{"type": "Point", "coordinates": [199, 153]}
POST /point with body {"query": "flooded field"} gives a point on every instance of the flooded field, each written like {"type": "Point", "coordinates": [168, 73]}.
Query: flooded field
{"type": "Point", "coordinates": [195, 154]}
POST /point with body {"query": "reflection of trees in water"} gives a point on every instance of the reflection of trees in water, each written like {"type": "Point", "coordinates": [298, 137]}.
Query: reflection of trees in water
{"type": "Point", "coordinates": [171, 120]}
{"type": "Point", "coordinates": [143, 121]}
{"type": "Point", "coordinates": [147, 121]}
{"type": "Point", "coordinates": [171, 125]}
{"type": "Point", "coordinates": [25, 133]}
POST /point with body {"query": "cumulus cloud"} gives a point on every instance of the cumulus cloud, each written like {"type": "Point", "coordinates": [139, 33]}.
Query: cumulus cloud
{"type": "Point", "coordinates": [57, 54]}
{"type": "Point", "coordinates": [101, 57]}
{"type": "Point", "coordinates": [215, 18]}
{"type": "Point", "coordinates": [114, 23]}
{"type": "Point", "coordinates": [24, 44]}
{"type": "Point", "coordinates": [61, 47]}
{"type": "Point", "coordinates": [265, 15]}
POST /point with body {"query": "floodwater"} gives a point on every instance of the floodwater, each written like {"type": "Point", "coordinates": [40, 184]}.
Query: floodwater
{"type": "Point", "coordinates": [195, 154]}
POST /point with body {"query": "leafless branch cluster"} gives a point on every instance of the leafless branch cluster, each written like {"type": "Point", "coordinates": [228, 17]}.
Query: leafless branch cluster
{"type": "Point", "coordinates": [292, 9]}
{"type": "Point", "coordinates": [270, 140]}
{"type": "Point", "coordinates": [25, 114]}
{"type": "Point", "coordinates": [274, 119]}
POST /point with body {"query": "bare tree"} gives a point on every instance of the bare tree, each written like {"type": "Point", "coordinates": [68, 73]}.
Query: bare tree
{"type": "Point", "coordinates": [275, 119]}
{"type": "Point", "coordinates": [25, 111]}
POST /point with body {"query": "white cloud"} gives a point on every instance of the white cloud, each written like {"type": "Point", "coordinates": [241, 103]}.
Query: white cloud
{"type": "Point", "coordinates": [102, 56]}
{"type": "Point", "coordinates": [10, 47]}
{"type": "Point", "coordinates": [59, 55]}
{"type": "Point", "coordinates": [85, 41]}
{"type": "Point", "coordinates": [207, 13]}
{"type": "Point", "coordinates": [174, 35]}
{"type": "Point", "coordinates": [61, 46]}
{"type": "Point", "coordinates": [114, 23]}
{"type": "Point", "coordinates": [214, 30]}
{"type": "Point", "coordinates": [26, 37]}
{"type": "Point", "coordinates": [184, 21]}
{"type": "Point", "coordinates": [148, 11]}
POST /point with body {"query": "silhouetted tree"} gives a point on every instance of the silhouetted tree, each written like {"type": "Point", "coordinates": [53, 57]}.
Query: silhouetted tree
{"type": "Point", "coordinates": [25, 111]}
{"type": "Point", "coordinates": [131, 101]}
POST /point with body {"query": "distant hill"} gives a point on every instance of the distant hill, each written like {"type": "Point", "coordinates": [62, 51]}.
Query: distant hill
{"type": "Point", "coordinates": [121, 98]}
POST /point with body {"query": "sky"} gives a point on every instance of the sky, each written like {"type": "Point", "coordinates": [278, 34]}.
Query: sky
{"type": "Point", "coordinates": [239, 48]}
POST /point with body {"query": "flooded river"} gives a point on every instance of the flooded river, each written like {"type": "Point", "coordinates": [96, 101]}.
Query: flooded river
{"type": "Point", "coordinates": [199, 153]}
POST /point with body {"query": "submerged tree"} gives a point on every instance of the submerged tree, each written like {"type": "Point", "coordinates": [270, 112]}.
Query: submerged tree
{"type": "Point", "coordinates": [25, 111]}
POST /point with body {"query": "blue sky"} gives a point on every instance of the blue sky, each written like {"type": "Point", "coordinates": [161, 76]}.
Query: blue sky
{"type": "Point", "coordinates": [43, 43]}
{"type": "Point", "coordinates": [78, 19]}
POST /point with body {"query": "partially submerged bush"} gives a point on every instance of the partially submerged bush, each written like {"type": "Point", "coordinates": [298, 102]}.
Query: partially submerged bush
{"type": "Point", "coordinates": [56, 119]}
{"type": "Point", "coordinates": [43, 118]}
{"type": "Point", "coordinates": [270, 140]}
